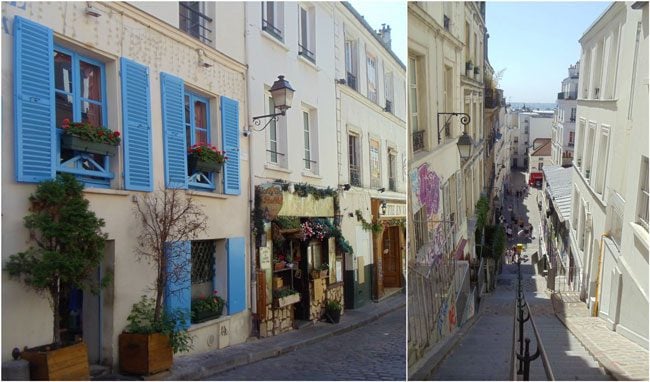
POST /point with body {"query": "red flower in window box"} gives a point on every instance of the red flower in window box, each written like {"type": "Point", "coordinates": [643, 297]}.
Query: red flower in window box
{"type": "Point", "coordinates": [90, 133]}
{"type": "Point", "coordinates": [207, 153]}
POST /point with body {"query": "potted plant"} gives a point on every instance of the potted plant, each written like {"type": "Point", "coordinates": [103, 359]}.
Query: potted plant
{"type": "Point", "coordinates": [207, 308]}
{"type": "Point", "coordinates": [69, 248]}
{"type": "Point", "coordinates": [146, 347]}
{"type": "Point", "coordinates": [320, 272]}
{"type": "Point", "coordinates": [167, 217]}
{"type": "Point", "coordinates": [333, 311]}
{"type": "Point", "coordinates": [205, 158]}
{"type": "Point", "coordinates": [285, 296]}
{"type": "Point", "coordinates": [82, 136]}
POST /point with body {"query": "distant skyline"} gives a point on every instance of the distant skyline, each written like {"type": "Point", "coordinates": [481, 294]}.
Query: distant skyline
{"type": "Point", "coordinates": [536, 42]}
{"type": "Point", "coordinates": [392, 13]}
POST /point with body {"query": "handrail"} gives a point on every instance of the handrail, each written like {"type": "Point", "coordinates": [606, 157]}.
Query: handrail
{"type": "Point", "coordinates": [540, 346]}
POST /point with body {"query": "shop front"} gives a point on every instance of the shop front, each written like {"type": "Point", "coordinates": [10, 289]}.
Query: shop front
{"type": "Point", "coordinates": [389, 246]}
{"type": "Point", "coordinates": [300, 255]}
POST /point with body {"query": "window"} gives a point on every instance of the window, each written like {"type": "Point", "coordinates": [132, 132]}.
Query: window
{"type": "Point", "coordinates": [392, 170]}
{"type": "Point", "coordinates": [79, 91]}
{"type": "Point", "coordinates": [276, 137]}
{"type": "Point", "coordinates": [310, 138]}
{"type": "Point", "coordinates": [351, 63]}
{"type": "Point", "coordinates": [375, 164]}
{"type": "Point", "coordinates": [306, 42]}
{"type": "Point", "coordinates": [467, 34]}
{"type": "Point", "coordinates": [573, 114]}
{"type": "Point", "coordinates": [388, 92]}
{"type": "Point", "coordinates": [581, 140]}
{"type": "Point", "coordinates": [197, 131]}
{"type": "Point", "coordinates": [603, 160]}
{"type": "Point", "coordinates": [418, 140]}
{"type": "Point", "coordinates": [202, 264]}
{"type": "Point", "coordinates": [194, 21]}
{"type": "Point", "coordinates": [615, 209]}
{"type": "Point", "coordinates": [371, 63]}
{"type": "Point", "coordinates": [273, 18]}
{"type": "Point", "coordinates": [353, 159]}
{"type": "Point", "coordinates": [642, 203]}
{"type": "Point", "coordinates": [589, 155]}
{"type": "Point", "coordinates": [571, 138]}
{"type": "Point", "coordinates": [575, 210]}
{"type": "Point", "coordinates": [421, 228]}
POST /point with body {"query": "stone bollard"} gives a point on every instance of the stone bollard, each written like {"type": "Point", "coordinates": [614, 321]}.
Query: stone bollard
{"type": "Point", "coordinates": [15, 370]}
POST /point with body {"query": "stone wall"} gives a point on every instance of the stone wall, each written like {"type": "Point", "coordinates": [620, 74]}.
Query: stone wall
{"type": "Point", "coordinates": [278, 321]}
{"type": "Point", "coordinates": [317, 308]}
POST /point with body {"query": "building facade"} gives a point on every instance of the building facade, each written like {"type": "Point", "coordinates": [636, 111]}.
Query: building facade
{"type": "Point", "coordinates": [165, 84]}
{"type": "Point", "coordinates": [532, 125]}
{"type": "Point", "coordinates": [371, 126]}
{"type": "Point", "coordinates": [564, 125]}
{"type": "Point", "coordinates": [609, 214]}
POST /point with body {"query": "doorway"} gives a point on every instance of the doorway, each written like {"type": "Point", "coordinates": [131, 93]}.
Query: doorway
{"type": "Point", "coordinates": [390, 258]}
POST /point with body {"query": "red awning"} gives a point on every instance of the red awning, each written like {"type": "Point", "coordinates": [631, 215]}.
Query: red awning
{"type": "Point", "coordinates": [460, 255]}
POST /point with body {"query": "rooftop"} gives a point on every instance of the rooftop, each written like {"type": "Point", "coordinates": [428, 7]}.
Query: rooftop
{"type": "Point", "coordinates": [558, 180]}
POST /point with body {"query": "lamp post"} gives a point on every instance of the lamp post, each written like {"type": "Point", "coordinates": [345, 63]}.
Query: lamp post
{"type": "Point", "coordinates": [465, 146]}
{"type": "Point", "coordinates": [464, 119]}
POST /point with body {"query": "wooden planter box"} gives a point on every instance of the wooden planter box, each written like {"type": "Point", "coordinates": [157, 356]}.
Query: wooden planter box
{"type": "Point", "coordinates": [288, 300]}
{"type": "Point", "coordinates": [195, 164]}
{"type": "Point", "coordinates": [75, 143]}
{"type": "Point", "coordinates": [145, 354]}
{"type": "Point", "coordinates": [319, 274]}
{"type": "Point", "coordinates": [66, 363]}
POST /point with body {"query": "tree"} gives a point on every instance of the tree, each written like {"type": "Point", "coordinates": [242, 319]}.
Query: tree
{"type": "Point", "coordinates": [167, 217]}
{"type": "Point", "coordinates": [69, 244]}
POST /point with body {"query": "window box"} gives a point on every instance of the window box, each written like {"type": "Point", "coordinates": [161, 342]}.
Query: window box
{"type": "Point", "coordinates": [202, 316]}
{"type": "Point", "coordinates": [195, 164]}
{"type": "Point", "coordinates": [73, 142]}
{"type": "Point", "coordinates": [287, 300]}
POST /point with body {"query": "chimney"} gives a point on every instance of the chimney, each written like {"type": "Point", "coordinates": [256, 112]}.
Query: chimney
{"type": "Point", "coordinates": [574, 70]}
{"type": "Point", "coordinates": [384, 35]}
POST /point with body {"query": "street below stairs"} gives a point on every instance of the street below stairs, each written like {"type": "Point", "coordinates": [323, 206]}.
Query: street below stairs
{"type": "Point", "coordinates": [372, 352]}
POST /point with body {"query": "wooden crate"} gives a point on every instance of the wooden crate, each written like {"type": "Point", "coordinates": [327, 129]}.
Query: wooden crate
{"type": "Point", "coordinates": [145, 354]}
{"type": "Point", "coordinates": [66, 363]}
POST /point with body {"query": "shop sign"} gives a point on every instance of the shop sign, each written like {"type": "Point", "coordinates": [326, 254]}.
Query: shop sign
{"type": "Point", "coordinates": [395, 209]}
{"type": "Point", "coordinates": [271, 202]}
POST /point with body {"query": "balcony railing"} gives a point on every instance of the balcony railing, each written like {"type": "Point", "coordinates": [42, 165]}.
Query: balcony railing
{"type": "Point", "coordinates": [355, 175]}
{"type": "Point", "coordinates": [306, 53]}
{"type": "Point", "coordinates": [389, 106]}
{"type": "Point", "coordinates": [447, 23]}
{"type": "Point", "coordinates": [193, 22]}
{"type": "Point", "coordinates": [392, 186]}
{"type": "Point", "coordinates": [352, 80]}
{"type": "Point", "coordinates": [567, 95]}
{"type": "Point", "coordinates": [418, 140]}
{"type": "Point", "coordinates": [269, 28]}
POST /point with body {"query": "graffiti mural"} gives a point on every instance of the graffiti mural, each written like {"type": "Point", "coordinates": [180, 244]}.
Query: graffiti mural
{"type": "Point", "coordinates": [442, 319]}
{"type": "Point", "coordinates": [425, 190]}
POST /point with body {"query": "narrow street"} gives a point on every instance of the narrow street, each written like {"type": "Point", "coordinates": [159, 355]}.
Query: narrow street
{"type": "Point", "coordinates": [485, 353]}
{"type": "Point", "coordinates": [372, 352]}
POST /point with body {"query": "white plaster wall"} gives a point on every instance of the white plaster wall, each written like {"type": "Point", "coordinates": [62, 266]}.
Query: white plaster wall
{"type": "Point", "coordinates": [122, 30]}
{"type": "Point", "coordinates": [314, 86]}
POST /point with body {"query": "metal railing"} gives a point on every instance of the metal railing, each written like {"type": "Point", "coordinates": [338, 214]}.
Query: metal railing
{"type": "Point", "coordinates": [392, 186]}
{"type": "Point", "coordinates": [351, 80]}
{"type": "Point", "coordinates": [306, 53]}
{"type": "Point", "coordinates": [523, 358]}
{"type": "Point", "coordinates": [418, 140]}
{"type": "Point", "coordinates": [269, 28]}
{"type": "Point", "coordinates": [193, 22]}
{"type": "Point", "coordinates": [355, 175]}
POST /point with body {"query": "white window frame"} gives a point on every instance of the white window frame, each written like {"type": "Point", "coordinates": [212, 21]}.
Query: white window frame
{"type": "Point", "coordinates": [276, 149]}
{"type": "Point", "coordinates": [306, 32]}
{"type": "Point", "coordinates": [372, 76]}
{"type": "Point", "coordinates": [413, 93]}
{"type": "Point", "coordinates": [276, 19]}
{"type": "Point", "coordinates": [374, 165]}
{"type": "Point", "coordinates": [310, 140]}
{"type": "Point", "coordinates": [641, 216]}
{"type": "Point", "coordinates": [354, 155]}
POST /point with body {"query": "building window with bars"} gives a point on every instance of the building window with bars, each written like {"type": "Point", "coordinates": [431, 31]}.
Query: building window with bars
{"type": "Point", "coordinates": [354, 160]}
{"type": "Point", "coordinates": [371, 64]}
{"type": "Point", "coordinates": [306, 43]}
{"type": "Point", "coordinates": [276, 137]}
{"type": "Point", "coordinates": [392, 170]}
{"type": "Point", "coordinates": [351, 63]}
{"type": "Point", "coordinates": [418, 135]}
{"type": "Point", "coordinates": [273, 19]}
{"type": "Point", "coordinates": [310, 139]}
{"type": "Point", "coordinates": [375, 163]}
{"type": "Point", "coordinates": [203, 260]}
{"type": "Point", "coordinates": [194, 20]}
{"type": "Point", "coordinates": [642, 204]}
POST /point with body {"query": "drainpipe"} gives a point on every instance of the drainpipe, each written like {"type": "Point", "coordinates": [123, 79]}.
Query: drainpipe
{"type": "Point", "coordinates": [251, 190]}
{"type": "Point", "coordinates": [594, 310]}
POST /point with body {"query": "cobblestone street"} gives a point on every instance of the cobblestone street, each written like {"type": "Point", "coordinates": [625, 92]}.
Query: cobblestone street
{"type": "Point", "coordinates": [372, 352]}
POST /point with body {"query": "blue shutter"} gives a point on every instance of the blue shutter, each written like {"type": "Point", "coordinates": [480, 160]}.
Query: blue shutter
{"type": "Point", "coordinates": [236, 274]}
{"type": "Point", "coordinates": [178, 290]}
{"type": "Point", "coordinates": [173, 114]}
{"type": "Point", "coordinates": [136, 120]}
{"type": "Point", "coordinates": [33, 101]}
{"type": "Point", "coordinates": [230, 135]}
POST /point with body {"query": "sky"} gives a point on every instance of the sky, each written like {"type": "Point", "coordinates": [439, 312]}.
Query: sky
{"type": "Point", "coordinates": [392, 13]}
{"type": "Point", "coordinates": [536, 42]}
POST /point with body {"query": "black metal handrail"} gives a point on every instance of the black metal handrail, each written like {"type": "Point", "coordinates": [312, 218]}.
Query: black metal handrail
{"type": "Point", "coordinates": [269, 28]}
{"type": "Point", "coordinates": [352, 80]}
{"type": "Point", "coordinates": [193, 23]}
{"type": "Point", "coordinates": [523, 355]}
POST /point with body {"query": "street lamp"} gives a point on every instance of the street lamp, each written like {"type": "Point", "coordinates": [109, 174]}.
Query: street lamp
{"type": "Point", "coordinates": [465, 146]}
{"type": "Point", "coordinates": [282, 94]}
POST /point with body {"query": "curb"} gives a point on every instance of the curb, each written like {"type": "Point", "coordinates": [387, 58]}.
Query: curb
{"type": "Point", "coordinates": [211, 365]}
{"type": "Point", "coordinates": [610, 367]}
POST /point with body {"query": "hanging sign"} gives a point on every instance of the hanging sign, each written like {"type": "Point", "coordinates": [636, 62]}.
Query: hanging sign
{"type": "Point", "coordinates": [271, 201]}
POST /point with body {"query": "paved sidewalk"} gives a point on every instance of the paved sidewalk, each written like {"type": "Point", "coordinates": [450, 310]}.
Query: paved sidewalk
{"type": "Point", "coordinates": [199, 366]}
{"type": "Point", "coordinates": [622, 358]}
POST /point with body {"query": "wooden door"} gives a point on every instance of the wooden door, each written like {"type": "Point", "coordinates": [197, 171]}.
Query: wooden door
{"type": "Point", "coordinates": [391, 263]}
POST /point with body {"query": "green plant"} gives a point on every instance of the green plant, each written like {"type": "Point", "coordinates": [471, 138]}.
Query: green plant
{"type": "Point", "coordinates": [283, 292]}
{"type": "Point", "coordinates": [288, 222]}
{"type": "Point", "coordinates": [69, 243]}
{"type": "Point", "coordinates": [141, 321]}
{"type": "Point", "coordinates": [214, 303]}
{"type": "Point", "coordinates": [207, 153]}
{"type": "Point", "coordinates": [333, 306]}
{"type": "Point", "coordinates": [374, 227]}
{"type": "Point", "coordinates": [88, 132]}
{"type": "Point", "coordinates": [324, 267]}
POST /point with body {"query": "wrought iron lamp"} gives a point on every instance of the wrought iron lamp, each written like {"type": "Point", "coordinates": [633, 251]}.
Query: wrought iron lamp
{"type": "Point", "coordinates": [282, 94]}
{"type": "Point", "coordinates": [465, 146]}
{"type": "Point", "coordinates": [465, 119]}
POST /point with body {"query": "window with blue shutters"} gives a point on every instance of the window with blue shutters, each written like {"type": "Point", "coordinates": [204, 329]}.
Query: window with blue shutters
{"type": "Point", "coordinates": [80, 96]}
{"type": "Point", "coordinates": [197, 133]}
